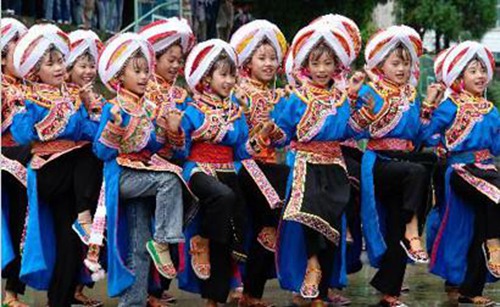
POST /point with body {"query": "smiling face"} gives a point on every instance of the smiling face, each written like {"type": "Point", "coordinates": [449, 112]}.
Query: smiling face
{"type": "Point", "coordinates": [321, 65]}
{"type": "Point", "coordinates": [169, 62]}
{"type": "Point", "coordinates": [397, 66]}
{"type": "Point", "coordinates": [475, 77]}
{"type": "Point", "coordinates": [136, 74]}
{"type": "Point", "coordinates": [51, 68]}
{"type": "Point", "coordinates": [84, 70]}
{"type": "Point", "coordinates": [263, 63]}
{"type": "Point", "coordinates": [222, 76]}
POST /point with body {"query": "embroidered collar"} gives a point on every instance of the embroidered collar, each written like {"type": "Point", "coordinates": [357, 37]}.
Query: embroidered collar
{"type": "Point", "coordinates": [162, 84]}
{"type": "Point", "coordinates": [387, 88]}
{"type": "Point", "coordinates": [215, 101]}
{"type": "Point", "coordinates": [48, 95]}
{"type": "Point", "coordinates": [313, 92]}
{"type": "Point", "coordinates": [256, 84]}
{"type": "Point", "coordinates": [477, 102]}
{"type": "Point", "coordinates": [135, 105]}
{"type": "Point", "coordinates": [10, 80]}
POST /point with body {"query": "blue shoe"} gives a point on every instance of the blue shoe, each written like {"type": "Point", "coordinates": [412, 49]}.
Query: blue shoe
{"type": "Point", "coordinates": [81, 232]}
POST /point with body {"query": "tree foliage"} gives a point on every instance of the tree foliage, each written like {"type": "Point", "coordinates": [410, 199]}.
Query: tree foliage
{"type": "Point", "coordinates": [291, 15]}
{"type": "Point", "coordinates": [450, 19]}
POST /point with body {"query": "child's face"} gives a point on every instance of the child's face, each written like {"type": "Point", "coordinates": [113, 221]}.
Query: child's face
{"type": "Point", "coordinates": [169, 62]}
{"type": "Point", "coordinates": [52, 68]}
{"type": "Point", "coordinates": [264, 63]}
{"type": "Point", "coordinates": [135, 75]}
{"type": "Point", "coordinates": [321, 68]}
{"type": "Point", "coordinates": [84, 71]}
{"type": "Point", "coordinates": [8, 60]}
{"type": "Point", "coordinates": [222, 81]}
{"type": "Point", "coordinates": [396, 68]}
{"type": "Point", "coordinates": [475, 77]}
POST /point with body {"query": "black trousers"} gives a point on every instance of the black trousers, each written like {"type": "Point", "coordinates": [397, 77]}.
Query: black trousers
{"type": "Point", "coordinates": [223, 219]}
{"type": "Point", "coordinates": [403, 188]}
{"type": "Point", "coordinates": [68, 184]}
{"type": "Point", "coordinates": [486, 226]}
{"type": "Point", "coordinates": [260, 263]}
{"type": "Point", "coordinates": [18, 202]}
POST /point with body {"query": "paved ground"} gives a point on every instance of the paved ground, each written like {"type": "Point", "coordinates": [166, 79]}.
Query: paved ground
{"type": "Point", "coordinates": [425, 290]}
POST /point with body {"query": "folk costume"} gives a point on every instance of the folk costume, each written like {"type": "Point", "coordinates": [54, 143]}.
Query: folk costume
{"type": "Point", "coordinates": [82, 42]}
{"type": "Point", "coordinates": [468, 127]}
{"type": "Point", "coordinates": [215, 139]}
{"type": "Point", "coordinates": [136, 179]}
{"type": "Point", "coordinates": [168, 97]}
{"type": "Point", "coordinates": [395, 184]}
{"type": "Point", "coordinates": [62, 174]}
{"type": "Point", "coordinates": [314, 121]}
{"type": "Point", "coordinates": [264, 179]}
{"type": "Point", "coordinates": [14, 159]}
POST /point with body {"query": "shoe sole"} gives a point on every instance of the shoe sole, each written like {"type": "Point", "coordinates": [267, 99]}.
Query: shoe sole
{"type": "Point", "coordinates": [193, 266]}
{"type": "Point", "coordinates": [80, 234]}
{"type": "Point", "coordinates": [485, 253]}
{"type": "Point", "coordinates": [410, 255]}
{"type": "Point", "coordinates": [157, 261]}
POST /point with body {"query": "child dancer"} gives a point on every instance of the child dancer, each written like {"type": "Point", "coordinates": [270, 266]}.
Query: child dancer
{"type": "Point", "coordinates": [62, 174]}
{"type": "Point", "coordinates": [216, 137]}
{"type": "Point", "coordinates": [467, 246]}
{"type": "Point", "coordinates": [85, 48]}
{"type": "Point", "coordinates": [172, 39]}
{"type": "Point", "coordinates": [136, 180]}
{"type": "Point", "coordinates": [394, 187]}
{"type": "Point", "coordinates": [261, 46]}
{"type": "Point", "coordinates": [315, 121]}
{"type": "Point", "coordinates": [14, 160]}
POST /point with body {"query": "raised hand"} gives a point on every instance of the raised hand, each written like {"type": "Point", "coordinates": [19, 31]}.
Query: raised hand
{"type": "Point", "coordinates": [87, 94]}
{"type": "Point", "coordinates": [241, 96]}
{"type": "Point", "coordinates": [435, 93]}
{"type": "Point", "coordinates": [371, 74]}
{"type": "Point", "coordinates": [173, 119]}
{"type": "Point", "coordinates": [355, 83]}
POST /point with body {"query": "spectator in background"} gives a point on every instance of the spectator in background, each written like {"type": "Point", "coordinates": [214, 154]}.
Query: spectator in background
{"type": "Point", "coordinates": [211, 12]}
{"type": "Point", "coordinates": [199, 20]}
{"type": "Point", "coordinates": [88, 13]}
{"type": "Point", "coordinates": [64, 11]}
{"type": "Point", "coordinates": [77, 11]}
{"type": "Point", "coordinates": [242, 16]}
{"type": "Point", "coordinates": [225, 19]}
{"type": "Point", "coordinates": [114, 15]}
{"type": "Point", "coordinates": [102, 14]}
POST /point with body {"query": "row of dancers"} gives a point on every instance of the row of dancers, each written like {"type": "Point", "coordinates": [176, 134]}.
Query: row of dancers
{"type": "Point", "coordinates": [229, 180]}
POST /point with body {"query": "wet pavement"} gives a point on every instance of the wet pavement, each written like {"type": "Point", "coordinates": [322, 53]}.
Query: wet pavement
{"type": "Point", "coordinates": [425, 290]}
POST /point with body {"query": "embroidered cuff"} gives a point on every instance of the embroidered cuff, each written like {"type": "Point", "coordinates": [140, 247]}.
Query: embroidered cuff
{"type": "Point", "coordinates": [112, 135]}
{"type": "Point", "coordinates": [176, 138]}
{"type": "Point", "coordinates": [426, 112]}
{"type": "Point", "coordinates": [360, 119]}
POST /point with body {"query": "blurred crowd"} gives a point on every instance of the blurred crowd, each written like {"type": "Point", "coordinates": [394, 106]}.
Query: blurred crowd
{"type": "Point", "coordinates": [209, 18]}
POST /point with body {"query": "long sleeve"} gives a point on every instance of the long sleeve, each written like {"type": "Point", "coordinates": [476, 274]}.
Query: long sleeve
{"type": "Point", "coordinates": [23, 124]}
{"type": "Point", "coordinates": [440, 119]}
{"type": "Point", "coordinates": [187, 127]}
{"type": "Point", "coordinates": [495, 148]}
{"type": "Point", "coordinates": [289, 118]}
{"type": "Point", "coordinates": [243, 148]}
{"type": "Point", "coordinates": [89, 127]}
{"type": "Point", "coordinates": [108, 137]}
